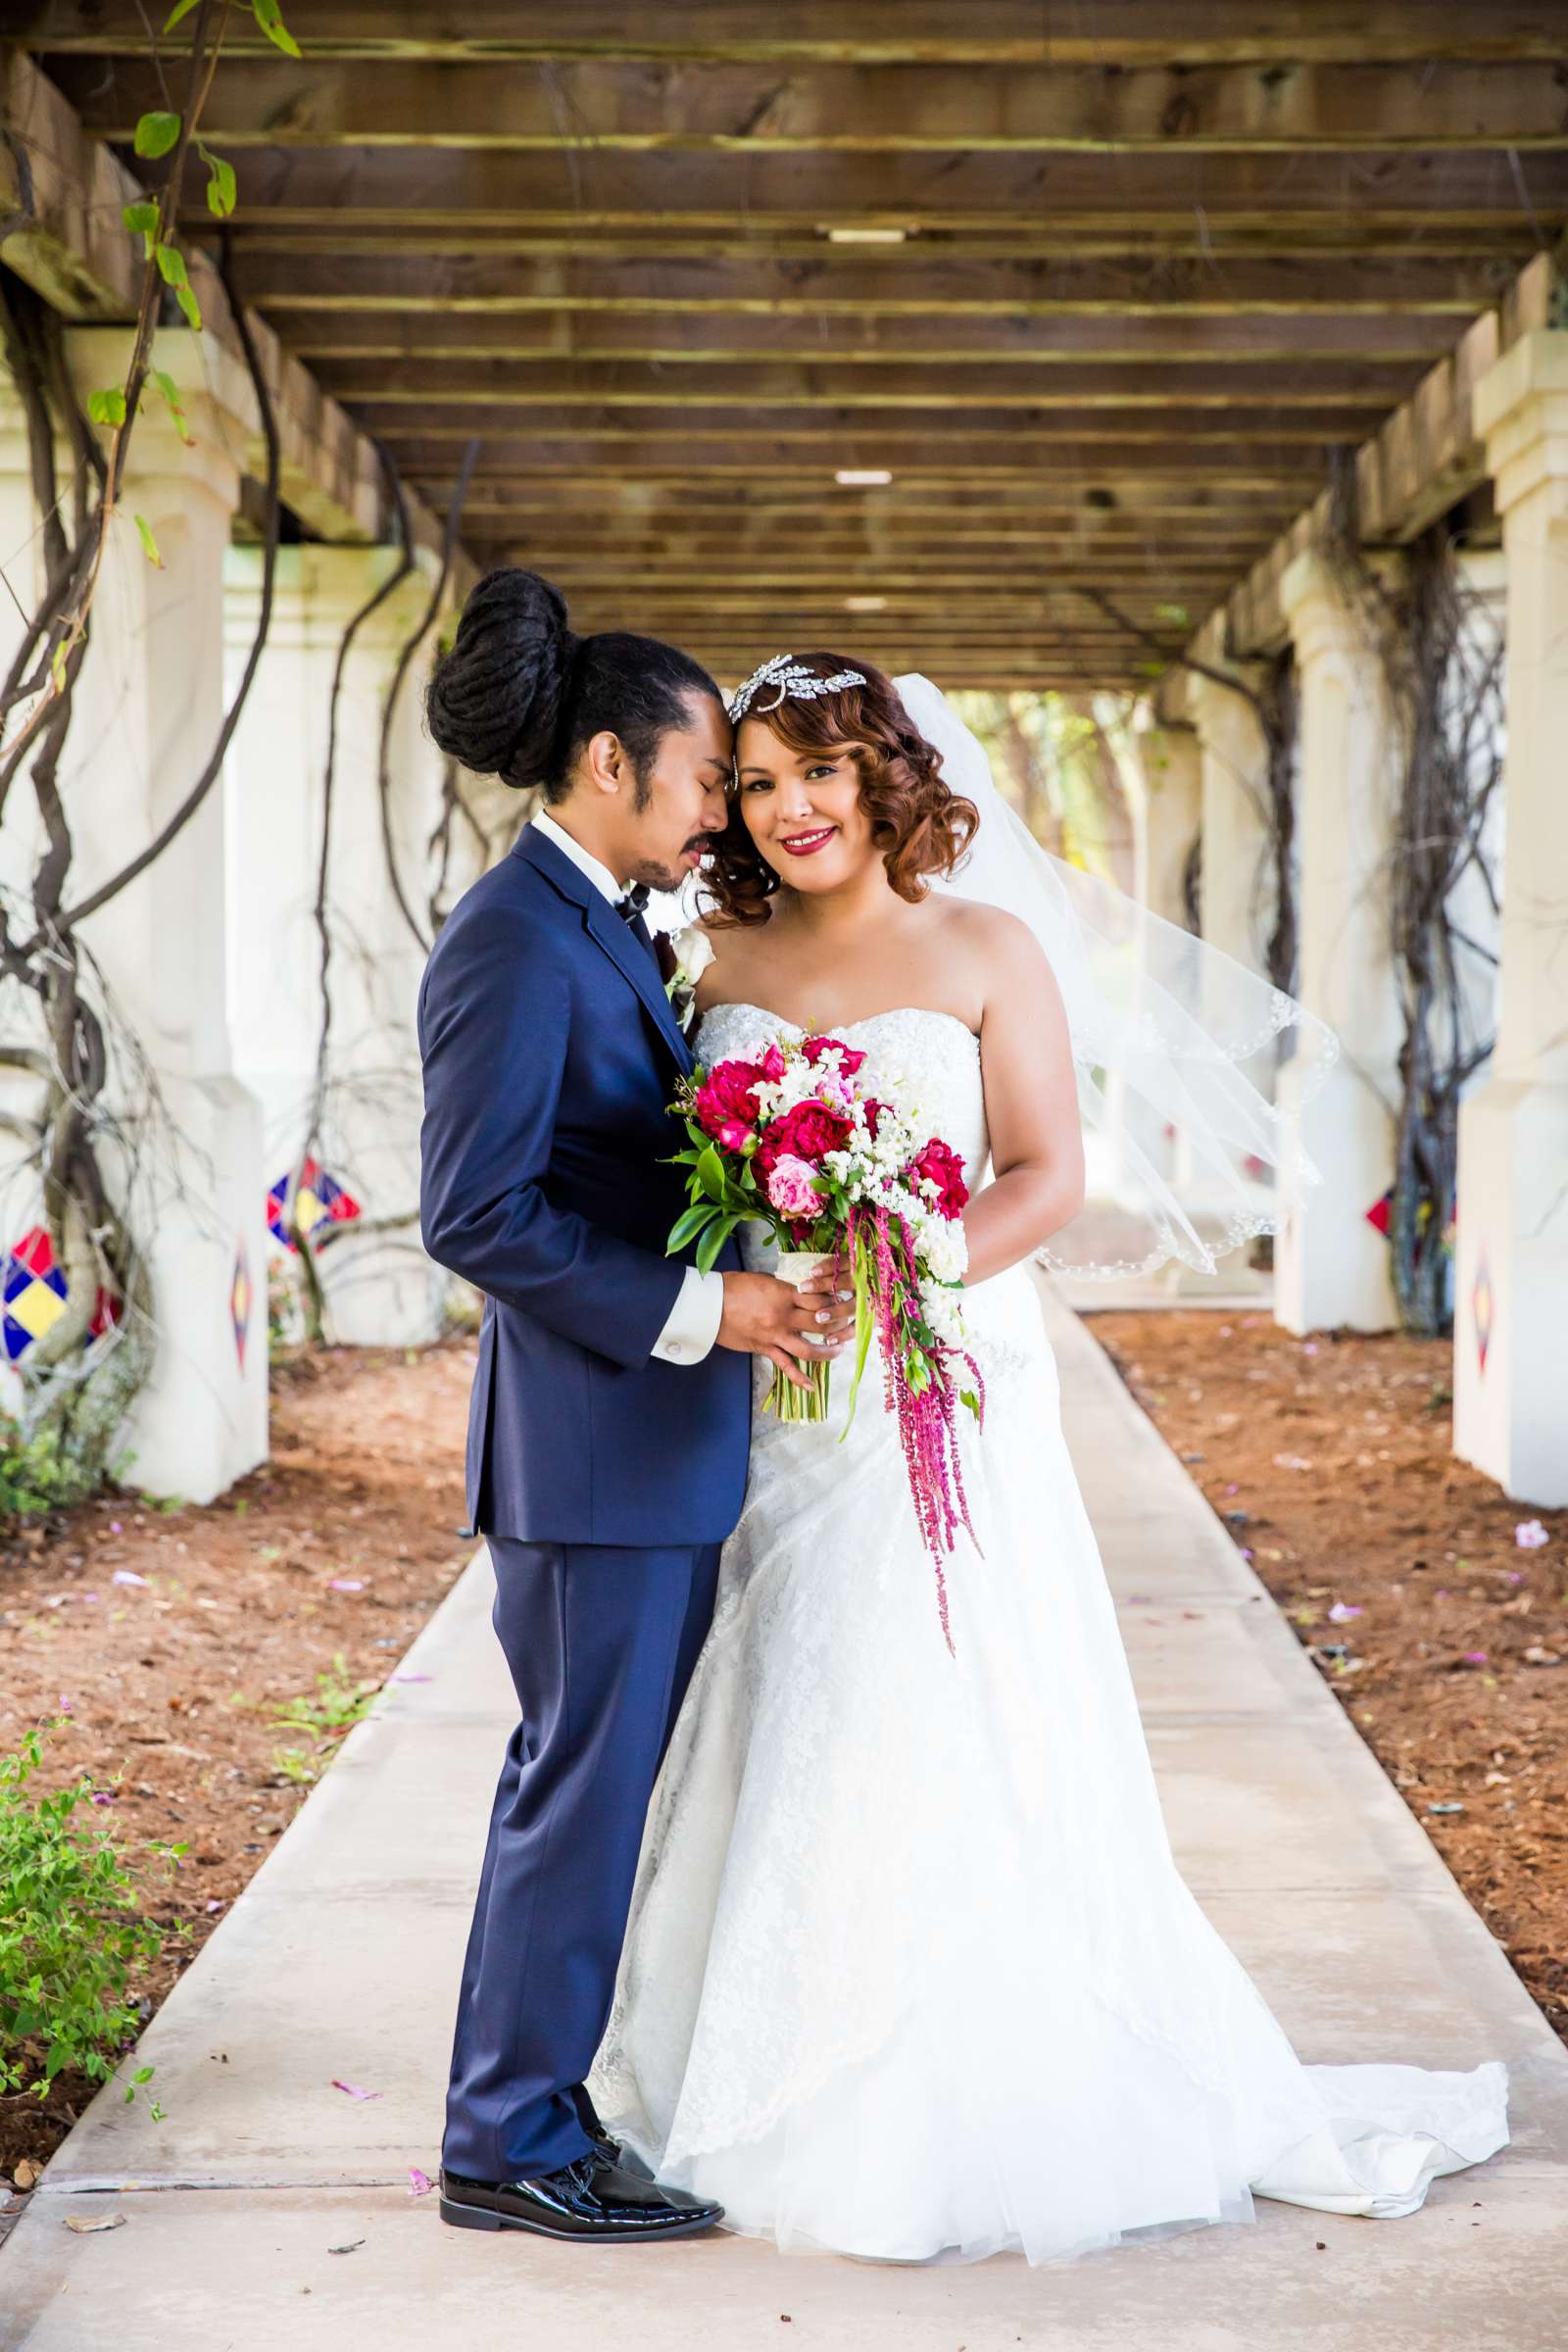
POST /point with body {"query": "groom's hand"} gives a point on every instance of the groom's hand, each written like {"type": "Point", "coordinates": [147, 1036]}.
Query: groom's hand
{"type": "Point", "coordinates": [763, 1316]}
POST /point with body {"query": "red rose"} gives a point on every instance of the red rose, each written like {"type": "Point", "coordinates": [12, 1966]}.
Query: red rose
{"type": "Point", "coordinates": [815, 1046]}
{"type": "Point", "coordinates": [727, 1100]}
{"type": "Point", "coordinates": [940, 1164]}
{"type": "Point", "coordinates": [809, 1132]}
{"type": "Point", "coordinates": [873, 1110]}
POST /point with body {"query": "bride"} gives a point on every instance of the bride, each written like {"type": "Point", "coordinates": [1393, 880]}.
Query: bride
{"type": "Point", "coordinates": [910, 1972]}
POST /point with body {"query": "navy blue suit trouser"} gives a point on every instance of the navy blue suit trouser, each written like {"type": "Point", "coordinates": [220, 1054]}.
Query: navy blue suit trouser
{"type": "Point", "coordinates": [601, 1642]}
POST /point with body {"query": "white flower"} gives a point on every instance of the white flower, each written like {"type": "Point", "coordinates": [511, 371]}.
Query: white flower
{"type": "Point", "coordinates": [694, 953]}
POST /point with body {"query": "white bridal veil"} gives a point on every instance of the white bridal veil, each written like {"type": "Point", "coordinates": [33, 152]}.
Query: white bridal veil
{"type": "Point", "coordinates": [1186, 1155]}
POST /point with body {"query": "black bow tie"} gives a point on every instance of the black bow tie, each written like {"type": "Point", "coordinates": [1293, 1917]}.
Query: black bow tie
{"type": "Point", "coordinates": [631, 906]}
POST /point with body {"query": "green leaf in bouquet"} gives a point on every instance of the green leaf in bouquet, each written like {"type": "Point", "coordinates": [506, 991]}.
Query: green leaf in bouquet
{"type": "Point", "coordinates": [860, 1275]}
{"type": "Point", "coordinates": [967, 1396]}
{"type": "Point", "coordinates": [712, 1242]}
{"type": "Point", "coordinates": [711, 1173]}
{"type": "Point", "coordinates": [687, 1228]}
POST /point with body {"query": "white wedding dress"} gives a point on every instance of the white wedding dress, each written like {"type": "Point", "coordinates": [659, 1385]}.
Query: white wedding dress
{"type": "Point", "coordinates": [910, 1970]}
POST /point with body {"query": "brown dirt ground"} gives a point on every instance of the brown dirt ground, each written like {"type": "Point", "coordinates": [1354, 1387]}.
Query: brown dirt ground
{"type": "Point", "coordinates": [172, 1684]}
{"type": "Point", "coordinates": [1330, 1460]}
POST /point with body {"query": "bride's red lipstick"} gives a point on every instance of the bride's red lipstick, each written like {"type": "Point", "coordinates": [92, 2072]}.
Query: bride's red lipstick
{"type": "Point", "coordinates": [807, 845]}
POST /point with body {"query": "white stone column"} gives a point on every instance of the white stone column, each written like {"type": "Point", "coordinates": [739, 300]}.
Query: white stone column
{"type": "Point", "coordinates": [148, 708]}
{"type": "Point", "coordinates": [21, 589]}
{"type": "Point", "coordinates": [1236, 884]}
{"type": "Point", "coordinates": [1511, 1275]}
{"type": "Point", "coordinates": [1331, 1267]}
{"type": "Point", "coordinates": [1167, 813]}
{"type": "Point", "coordinates": [21, 562]}
{"type": "Point", "coordinates": [381, 1285]}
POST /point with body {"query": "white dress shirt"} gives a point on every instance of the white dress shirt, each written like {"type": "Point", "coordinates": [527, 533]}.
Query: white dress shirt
{"type": "Point", "coordinates": [694, 1319]}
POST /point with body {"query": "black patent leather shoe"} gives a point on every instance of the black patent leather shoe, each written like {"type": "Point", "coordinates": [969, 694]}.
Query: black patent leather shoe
{"type": "Point", "coordinates": [588, 2199]}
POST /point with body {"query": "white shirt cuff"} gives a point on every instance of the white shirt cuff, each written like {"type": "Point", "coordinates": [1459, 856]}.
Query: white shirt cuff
{"type": "Point", "coordinates": [694, 1319]}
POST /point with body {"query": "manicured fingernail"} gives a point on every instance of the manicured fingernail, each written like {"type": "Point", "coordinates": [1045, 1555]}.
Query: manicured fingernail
{"type": "Point", "coordinates": [845, 1294]}
{"type": "Point", "coordinates": [825, 1315]}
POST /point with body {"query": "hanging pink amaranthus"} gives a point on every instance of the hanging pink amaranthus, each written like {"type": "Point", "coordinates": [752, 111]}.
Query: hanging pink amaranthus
{"type": "Point", "coordinates": [919, 1386]}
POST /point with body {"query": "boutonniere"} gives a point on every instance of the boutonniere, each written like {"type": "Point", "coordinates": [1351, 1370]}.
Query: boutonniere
{"type": "Point", "coordinates": [693, 951]}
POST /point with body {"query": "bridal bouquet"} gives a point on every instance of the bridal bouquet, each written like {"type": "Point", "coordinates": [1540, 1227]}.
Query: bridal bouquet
{"type": "Point", "coordinates": [797, 1142]}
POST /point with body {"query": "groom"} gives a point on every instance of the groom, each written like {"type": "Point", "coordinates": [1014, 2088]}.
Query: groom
{"type": "Point", "coordinates": [607, 1433]}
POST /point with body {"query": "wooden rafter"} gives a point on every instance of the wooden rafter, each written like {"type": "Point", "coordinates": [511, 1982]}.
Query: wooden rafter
{"type": "Point", "coordinates": [1102, 290]}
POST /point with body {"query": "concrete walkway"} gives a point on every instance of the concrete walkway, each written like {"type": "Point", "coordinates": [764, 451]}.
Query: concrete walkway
{"type": "Point", "coordinates": [341, 1961]}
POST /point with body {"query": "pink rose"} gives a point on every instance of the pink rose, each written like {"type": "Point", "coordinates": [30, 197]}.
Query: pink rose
{"type": "Point", "coordinates": [815, 1046]}
{"type": "Point", "coordinates": [792, 1189]}
{"type": "Point", "coordinates": [727, 1100]}
{"type": "Point", "coordinates": [808, 1132]}
{"type": "Point", "coordinates": [772, 1065]}
{"type": "Point", "coordinates": [733, 1136]}
{"type": "Point", "coordinates": [940, 1164]}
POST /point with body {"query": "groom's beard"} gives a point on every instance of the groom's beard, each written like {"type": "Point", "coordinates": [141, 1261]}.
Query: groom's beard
{"type": "Point", "coordinates": [665, 877]}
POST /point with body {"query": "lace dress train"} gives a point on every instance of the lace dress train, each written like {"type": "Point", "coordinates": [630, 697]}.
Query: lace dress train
{"type": "Point", "coordinates": [910, 1970]}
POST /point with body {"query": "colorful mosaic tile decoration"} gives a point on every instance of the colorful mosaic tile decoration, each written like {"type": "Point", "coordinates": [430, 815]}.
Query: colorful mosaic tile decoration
{"type": "Point", "coordinates": [33, 1294]}
{"type": "Point", "coordinates": [321, 1199]}
{"type": "Point", "coordinates": [1483, 1310]}
{"type": "Point", "coordinates": [239, 1300]}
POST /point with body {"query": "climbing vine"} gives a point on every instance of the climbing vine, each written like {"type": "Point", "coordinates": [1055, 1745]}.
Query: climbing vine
{"type": "Point", "coordinates": [81, 1375]}
{"type": "Point", "coordinates": [1441, 653]}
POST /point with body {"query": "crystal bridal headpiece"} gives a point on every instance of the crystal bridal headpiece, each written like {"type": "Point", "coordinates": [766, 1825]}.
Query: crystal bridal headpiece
{"type": "Point", "coordinates": [794, 681]}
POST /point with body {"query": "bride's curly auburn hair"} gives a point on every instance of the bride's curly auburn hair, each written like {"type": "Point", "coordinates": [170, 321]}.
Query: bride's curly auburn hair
{"type": "Point", "coordinates": [917, 823]}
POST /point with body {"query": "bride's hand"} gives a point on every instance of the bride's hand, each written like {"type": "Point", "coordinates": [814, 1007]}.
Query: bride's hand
{"type": "Point", "coordinates": [763, 1316]}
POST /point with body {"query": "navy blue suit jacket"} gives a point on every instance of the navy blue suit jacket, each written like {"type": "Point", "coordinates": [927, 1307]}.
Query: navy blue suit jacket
{"type": "Point", "coordinates": [550, 1055]}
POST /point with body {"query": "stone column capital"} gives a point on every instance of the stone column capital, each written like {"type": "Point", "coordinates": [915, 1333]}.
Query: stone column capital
{"type": "Point", "coordinates": [1217, 710]}
{"type": "Point", "coordinates": [218, 405]}
{"type": "Point", "coordinates": [1521, 412]}
{"type": "Point", "coordinates": [316, 590]}
{"type": "Point", "coordinates": [1321, 607]}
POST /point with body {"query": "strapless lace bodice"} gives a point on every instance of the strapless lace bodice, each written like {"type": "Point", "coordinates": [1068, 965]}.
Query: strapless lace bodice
{"type": "Point", "coordinates": [930, 1059]}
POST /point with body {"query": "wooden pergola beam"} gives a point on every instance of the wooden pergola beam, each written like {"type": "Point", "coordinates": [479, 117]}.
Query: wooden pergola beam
{"type": "Point", "coordinates": [951, 189]}
{"type": "Point", "coordinates": [752, 109]}
{"type": "Point", "coordinates": [1066, 470]}
{"type": "Point", "coordinates": [816, 430]}
{"type": "Point", "coordinates": [1114, 34]}
{"type": "Point", "coordinates": [489, 291]}
{"type": "Point", "coordinates": [426, 336]}
{"type": "Point", "coordinates": [1139, 243]}
{"type": "Point", "coordinates": [491, 391]}
{"type": "Point", "coordinates": [778, 496]}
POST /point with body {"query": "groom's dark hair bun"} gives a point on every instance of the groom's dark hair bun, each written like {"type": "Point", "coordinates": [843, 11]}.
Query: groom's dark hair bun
{"type": "Point", "coordinates": [519, 693]}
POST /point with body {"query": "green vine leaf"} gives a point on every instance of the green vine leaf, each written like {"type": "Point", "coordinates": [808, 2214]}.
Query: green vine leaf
{"type": "Point", "coordinates": [269, 17]}
{"type": "Point", "coordinates": [142, 222]}
{"type": "Point", "coordinates": [190, 306]}
{"type": "Point", "coordinates": [149, 543]}
{"type": "Point", "coordinates": [108, 408]}
{"type": "Point", "coordinates": [156, 135]}
{"type": "Point", "coordinates": [170, 390]}
{"type": "Point", "coordinates": [170, 264]}
{"type": "Point", "coordinates": [182, 9]}
{"type": "Point", "coordinates": [222, 188]}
